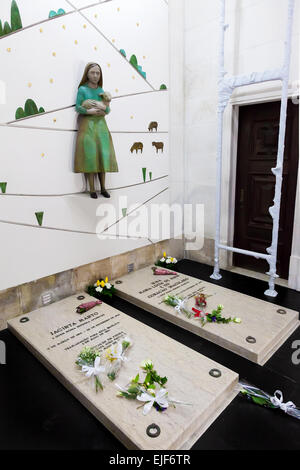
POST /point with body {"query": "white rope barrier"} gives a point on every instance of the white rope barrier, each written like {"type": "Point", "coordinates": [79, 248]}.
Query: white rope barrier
{"type": "Point", "coordinates": [226, 86]}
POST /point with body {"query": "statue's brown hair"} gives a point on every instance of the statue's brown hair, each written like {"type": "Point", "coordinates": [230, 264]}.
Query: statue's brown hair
{"type": "Point", "coordinates": [85, 79]}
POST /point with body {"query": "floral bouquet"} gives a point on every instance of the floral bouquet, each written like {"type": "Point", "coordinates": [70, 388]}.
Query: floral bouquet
{"type": "Point", "coordinates": [215, 316]}
{"type": "Point", "coordinates": [166, 261]}
{"type": "Point", "coordinates": [115, 356]}
{"type": "Point", "coordinates": [89, 360]}
{"type": "Point", "coordinates": [163, 272]}
{"type": "Point", "coordinates": [82, 308]}
{"type": "Point", "coordinates": [179, 304]}
{"type": "Point", "coordinates": [200, 300]}
{"type": "Point", "coordinates": [151, 391]}
{"type": "Point", "coordinates": [259, 397]}
{"type": "Point", "coordinates": [101, 289]}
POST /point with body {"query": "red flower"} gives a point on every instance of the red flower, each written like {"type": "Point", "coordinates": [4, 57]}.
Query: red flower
{"type": "Point", "coordinates": [197, 312]}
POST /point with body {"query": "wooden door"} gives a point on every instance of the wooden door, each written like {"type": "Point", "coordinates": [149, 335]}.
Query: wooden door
{"type": "Point", "coordinates": [255, 183]}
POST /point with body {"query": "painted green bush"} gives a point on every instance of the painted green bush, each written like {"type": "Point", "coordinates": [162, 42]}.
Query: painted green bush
{"type": "Point", "coordinates": [6, 28]}
{"type": "Point", "coordinates": [134, 62]}
{"type": "Point", "coordinates": [53, 13]}
{"type": "Point", "coordinates": [39, 217]}
{"type": "Point", "coordinates": [20, 114]}
{"type": "Point", "coordinates": [15, 20]}
{"type": "Point", "coordinates": [30, 109]}
{"type": "Point", "coordinates": [3, 187]}
{"type": "Point", "coordinates": [15, 17]}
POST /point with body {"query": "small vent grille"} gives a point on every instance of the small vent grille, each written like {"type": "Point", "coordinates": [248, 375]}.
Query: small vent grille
{"type": "Point", "coordinates": [130, 267]}
{"type": "Point", "coordinates": [47, 298]}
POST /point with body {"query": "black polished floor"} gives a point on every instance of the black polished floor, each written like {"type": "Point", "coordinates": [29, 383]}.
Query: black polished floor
{"type": "Point", "coordinates": [37, 412]}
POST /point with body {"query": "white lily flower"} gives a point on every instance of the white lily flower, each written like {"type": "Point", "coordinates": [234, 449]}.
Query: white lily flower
{"type": "Point", "coordinates": [162, 259]}
{"type": "Point", "coordinates": [174, 260]}
{"type": "Point", "coordinates": [160, 397]}
{"type": "Point", "coordinates": [108, 285]}
{"type": "Point", "coordinates": [168, 261]}
{"type": "Point", "coordinates": [117, 353]}
{"type": "Point", "coordinates": [99, 289]}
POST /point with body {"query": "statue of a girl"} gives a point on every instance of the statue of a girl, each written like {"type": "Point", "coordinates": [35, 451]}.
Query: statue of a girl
{"type": "Point", "coordinates": [94, 146]}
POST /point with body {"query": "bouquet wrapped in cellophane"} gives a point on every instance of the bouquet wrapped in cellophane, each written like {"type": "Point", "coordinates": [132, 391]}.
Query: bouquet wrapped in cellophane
{"type": "Point", "coordinates": [179, 304]}
{"type": "Point", "coordinates": [259, 397]}
{"type": "Point", "coordinates": [151, 391]}
{"type": "Point", "coordinates": [94, 364]}
{"type": "Point", "coordinates": [115, 356]}
{"type": "Point", "coordinates": [90, 362]}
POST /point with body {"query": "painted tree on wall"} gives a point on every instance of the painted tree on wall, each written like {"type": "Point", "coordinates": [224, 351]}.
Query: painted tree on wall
{"type": "Point", "coordinates": [30, 109]}
{"type": "Point", "coordinates": [15, 20]}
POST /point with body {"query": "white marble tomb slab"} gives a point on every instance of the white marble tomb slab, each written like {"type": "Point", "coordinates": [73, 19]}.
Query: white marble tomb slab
{"type": "Point", "coordinates": [270, 325]}
{"type": "Point", "coordinates": [55, 334]}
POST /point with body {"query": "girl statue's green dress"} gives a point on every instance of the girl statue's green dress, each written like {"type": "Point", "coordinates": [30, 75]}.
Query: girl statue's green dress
{"type": "Point", "coordinates": [95, 151]}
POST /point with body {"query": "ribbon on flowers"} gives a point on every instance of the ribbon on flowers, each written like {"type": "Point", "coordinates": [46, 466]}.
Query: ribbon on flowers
{"type": "Point", "coordinates": [159, 397]}
{"type": "Point", "coordinates": [262, 398]}
{"type": "Point", "coordinates": [180, 304]}
{"type": "Point", "coordinates": [94, 371]}
{"type": "Point", "coordinates": [277, 400]}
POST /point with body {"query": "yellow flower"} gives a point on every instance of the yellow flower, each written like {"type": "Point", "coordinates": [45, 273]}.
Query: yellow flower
{"type": "Point", "coordinates": [106, 279]}
{"type": "Point", "coordinates": [108, 355]}
{"type": "Point", "coordinates": [164, 254]}
{"type": "Point", "coordinates": [171, 259]}
{"type": "Point", "coordinates": [102, 283]}
{"type": "Point", "coordinates": [98, 283]}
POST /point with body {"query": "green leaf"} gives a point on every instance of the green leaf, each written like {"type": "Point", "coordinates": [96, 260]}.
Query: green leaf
{"type": "Point", "coordinates": [148, 378]}
{"type": "Point", "coordinates": [260, 401]}
{"type": "Point", "coordinates": [164, 380]}
{"type": "Point", "coordinates": [133, 389]}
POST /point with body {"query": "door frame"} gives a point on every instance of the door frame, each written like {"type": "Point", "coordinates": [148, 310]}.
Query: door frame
{"type": "Point", "coordinates": [252, 95]}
